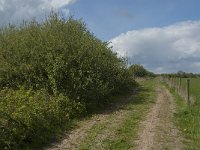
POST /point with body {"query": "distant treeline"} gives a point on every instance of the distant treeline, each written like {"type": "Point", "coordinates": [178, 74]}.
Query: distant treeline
{"type": "Point", "coordinates": [182, 74]}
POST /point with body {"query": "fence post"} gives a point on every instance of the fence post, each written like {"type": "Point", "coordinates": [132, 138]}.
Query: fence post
{"type": "Point", "coordinates": [179, 88]}
{"type": "Point", "coordinates": [171, 82]}
{"type": "Point", "coordinates": [188, 91]}
{"type": "Point", "coordinates": [174, 82]}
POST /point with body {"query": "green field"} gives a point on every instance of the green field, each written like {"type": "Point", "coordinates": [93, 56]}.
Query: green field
{"type": "Point", "coordinates": [188, 117]}
{"type": "Point", "coordinates": [194, 87]}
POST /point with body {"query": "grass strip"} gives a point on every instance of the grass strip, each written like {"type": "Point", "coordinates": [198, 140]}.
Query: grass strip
{"type": "Point", "coordinates": [140, 105]}
{"type": "Point", "coordinates": [126, 132]}
{"type": "Point", "coordinates": [188, 120]}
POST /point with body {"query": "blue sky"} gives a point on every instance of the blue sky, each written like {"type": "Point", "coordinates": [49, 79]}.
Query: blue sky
{"type": "Point", "coordinates": [109, 18]}
{"type": "Point", "coordinates": [161, 35]}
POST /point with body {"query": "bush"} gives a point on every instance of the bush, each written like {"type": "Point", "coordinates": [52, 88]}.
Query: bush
{"type": "Point", "coordinates": [139, 71]}
{"type": "Point", "coordinates": [28, 117]}
{"type": "Point", "coordinates": [61, 57]}
{"type": "Point", "coordinates": [63, 68]}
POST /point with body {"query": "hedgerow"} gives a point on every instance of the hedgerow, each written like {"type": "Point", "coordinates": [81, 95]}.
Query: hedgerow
{"type": "Point", "coordinates": [45, 64]}
{"type": "Point", "coordinates": [30, 117]}
{"type": "Point", "coordinates": [139, 71]}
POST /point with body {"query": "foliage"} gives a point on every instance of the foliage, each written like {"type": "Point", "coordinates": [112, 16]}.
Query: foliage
{"type": "Point", "coordinates": [49, 73]}
{"type": "Point", "coordinates": [140, 71]}
{"type": "Point", "coordinates": [32, 117]}
{"type": "Point", "coordinates": [61, 57]}
{"type": "Point", "coordinates": [182, 74]}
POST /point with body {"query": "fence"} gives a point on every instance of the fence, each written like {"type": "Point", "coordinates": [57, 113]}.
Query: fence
{"type": "Point", "coordinates": [183, 89]}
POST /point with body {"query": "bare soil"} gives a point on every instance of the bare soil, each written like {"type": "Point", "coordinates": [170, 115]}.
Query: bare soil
{"type": "Point", "coordinates": [157, 131]}
{"type": "Point", "coordinates": [73, 139]}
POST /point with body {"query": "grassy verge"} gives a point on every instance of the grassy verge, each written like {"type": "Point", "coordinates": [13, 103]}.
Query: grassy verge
{"type": "Point", "coordinates": [188, 120]}
{"type": "Point", "coordinates": [126, 131]}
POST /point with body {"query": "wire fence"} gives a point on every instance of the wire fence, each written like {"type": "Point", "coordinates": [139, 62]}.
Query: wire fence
{"type": "Point", "coordinates": [182, 87]}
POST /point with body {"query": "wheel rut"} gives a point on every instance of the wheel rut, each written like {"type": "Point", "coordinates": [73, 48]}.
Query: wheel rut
{"type": "Point", "coordinates": [158, 131]}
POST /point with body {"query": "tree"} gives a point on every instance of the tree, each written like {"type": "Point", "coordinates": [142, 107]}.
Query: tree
{"type": "Point", "coordinates": [138, 70]}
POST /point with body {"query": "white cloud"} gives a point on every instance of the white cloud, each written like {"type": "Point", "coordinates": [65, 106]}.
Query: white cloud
{"type": "Point", "coordinates": [12, 11]}
{"type": "Point", "coordinates": [167, 49]}
{"type": "Point", "coordinates": [59, 3]}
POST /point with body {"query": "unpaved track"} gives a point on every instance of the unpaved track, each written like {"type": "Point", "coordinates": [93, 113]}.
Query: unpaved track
{"type": "Point", "coordinates": [73, 139]}
{"type": "Point", "coordinates": [158, 131]}
{"type": "Point", "coordinates": [110, 118]}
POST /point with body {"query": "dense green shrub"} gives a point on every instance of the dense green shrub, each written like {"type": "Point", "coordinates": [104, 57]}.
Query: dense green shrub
{"type": "Point", "coordinates": [62, 67]}
{"type": "Point", "coordinates": [139, 71]}
{"type": "Point", "coordinates": [62, 57]}
{"type": "Point", "coordinates": [28, 117]}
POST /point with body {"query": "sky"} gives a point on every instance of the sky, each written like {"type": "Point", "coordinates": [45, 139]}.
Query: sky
{"type": "Point", "coordinates": [161, 35]}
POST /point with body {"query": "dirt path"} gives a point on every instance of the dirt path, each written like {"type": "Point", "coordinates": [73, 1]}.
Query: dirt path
{"type": "Point", "coordinates": [158, 131]}
{"type": "Point", "coordinates": [109, 119]}
{"type": "Point", "coordinates": [73, 139]}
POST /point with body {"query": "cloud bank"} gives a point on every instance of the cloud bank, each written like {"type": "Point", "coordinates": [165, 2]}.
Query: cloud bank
{"type": "Point", "coordinates": [12, 11]}
{"type": "Point", "coordinates": [167, 49]}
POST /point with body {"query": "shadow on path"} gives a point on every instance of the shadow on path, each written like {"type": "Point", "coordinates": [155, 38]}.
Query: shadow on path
{"type": "Point", "coordinates": [120, 102]}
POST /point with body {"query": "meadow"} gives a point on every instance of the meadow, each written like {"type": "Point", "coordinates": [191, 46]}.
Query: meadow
{"type": "Point", "coordinates": [194, 87]}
